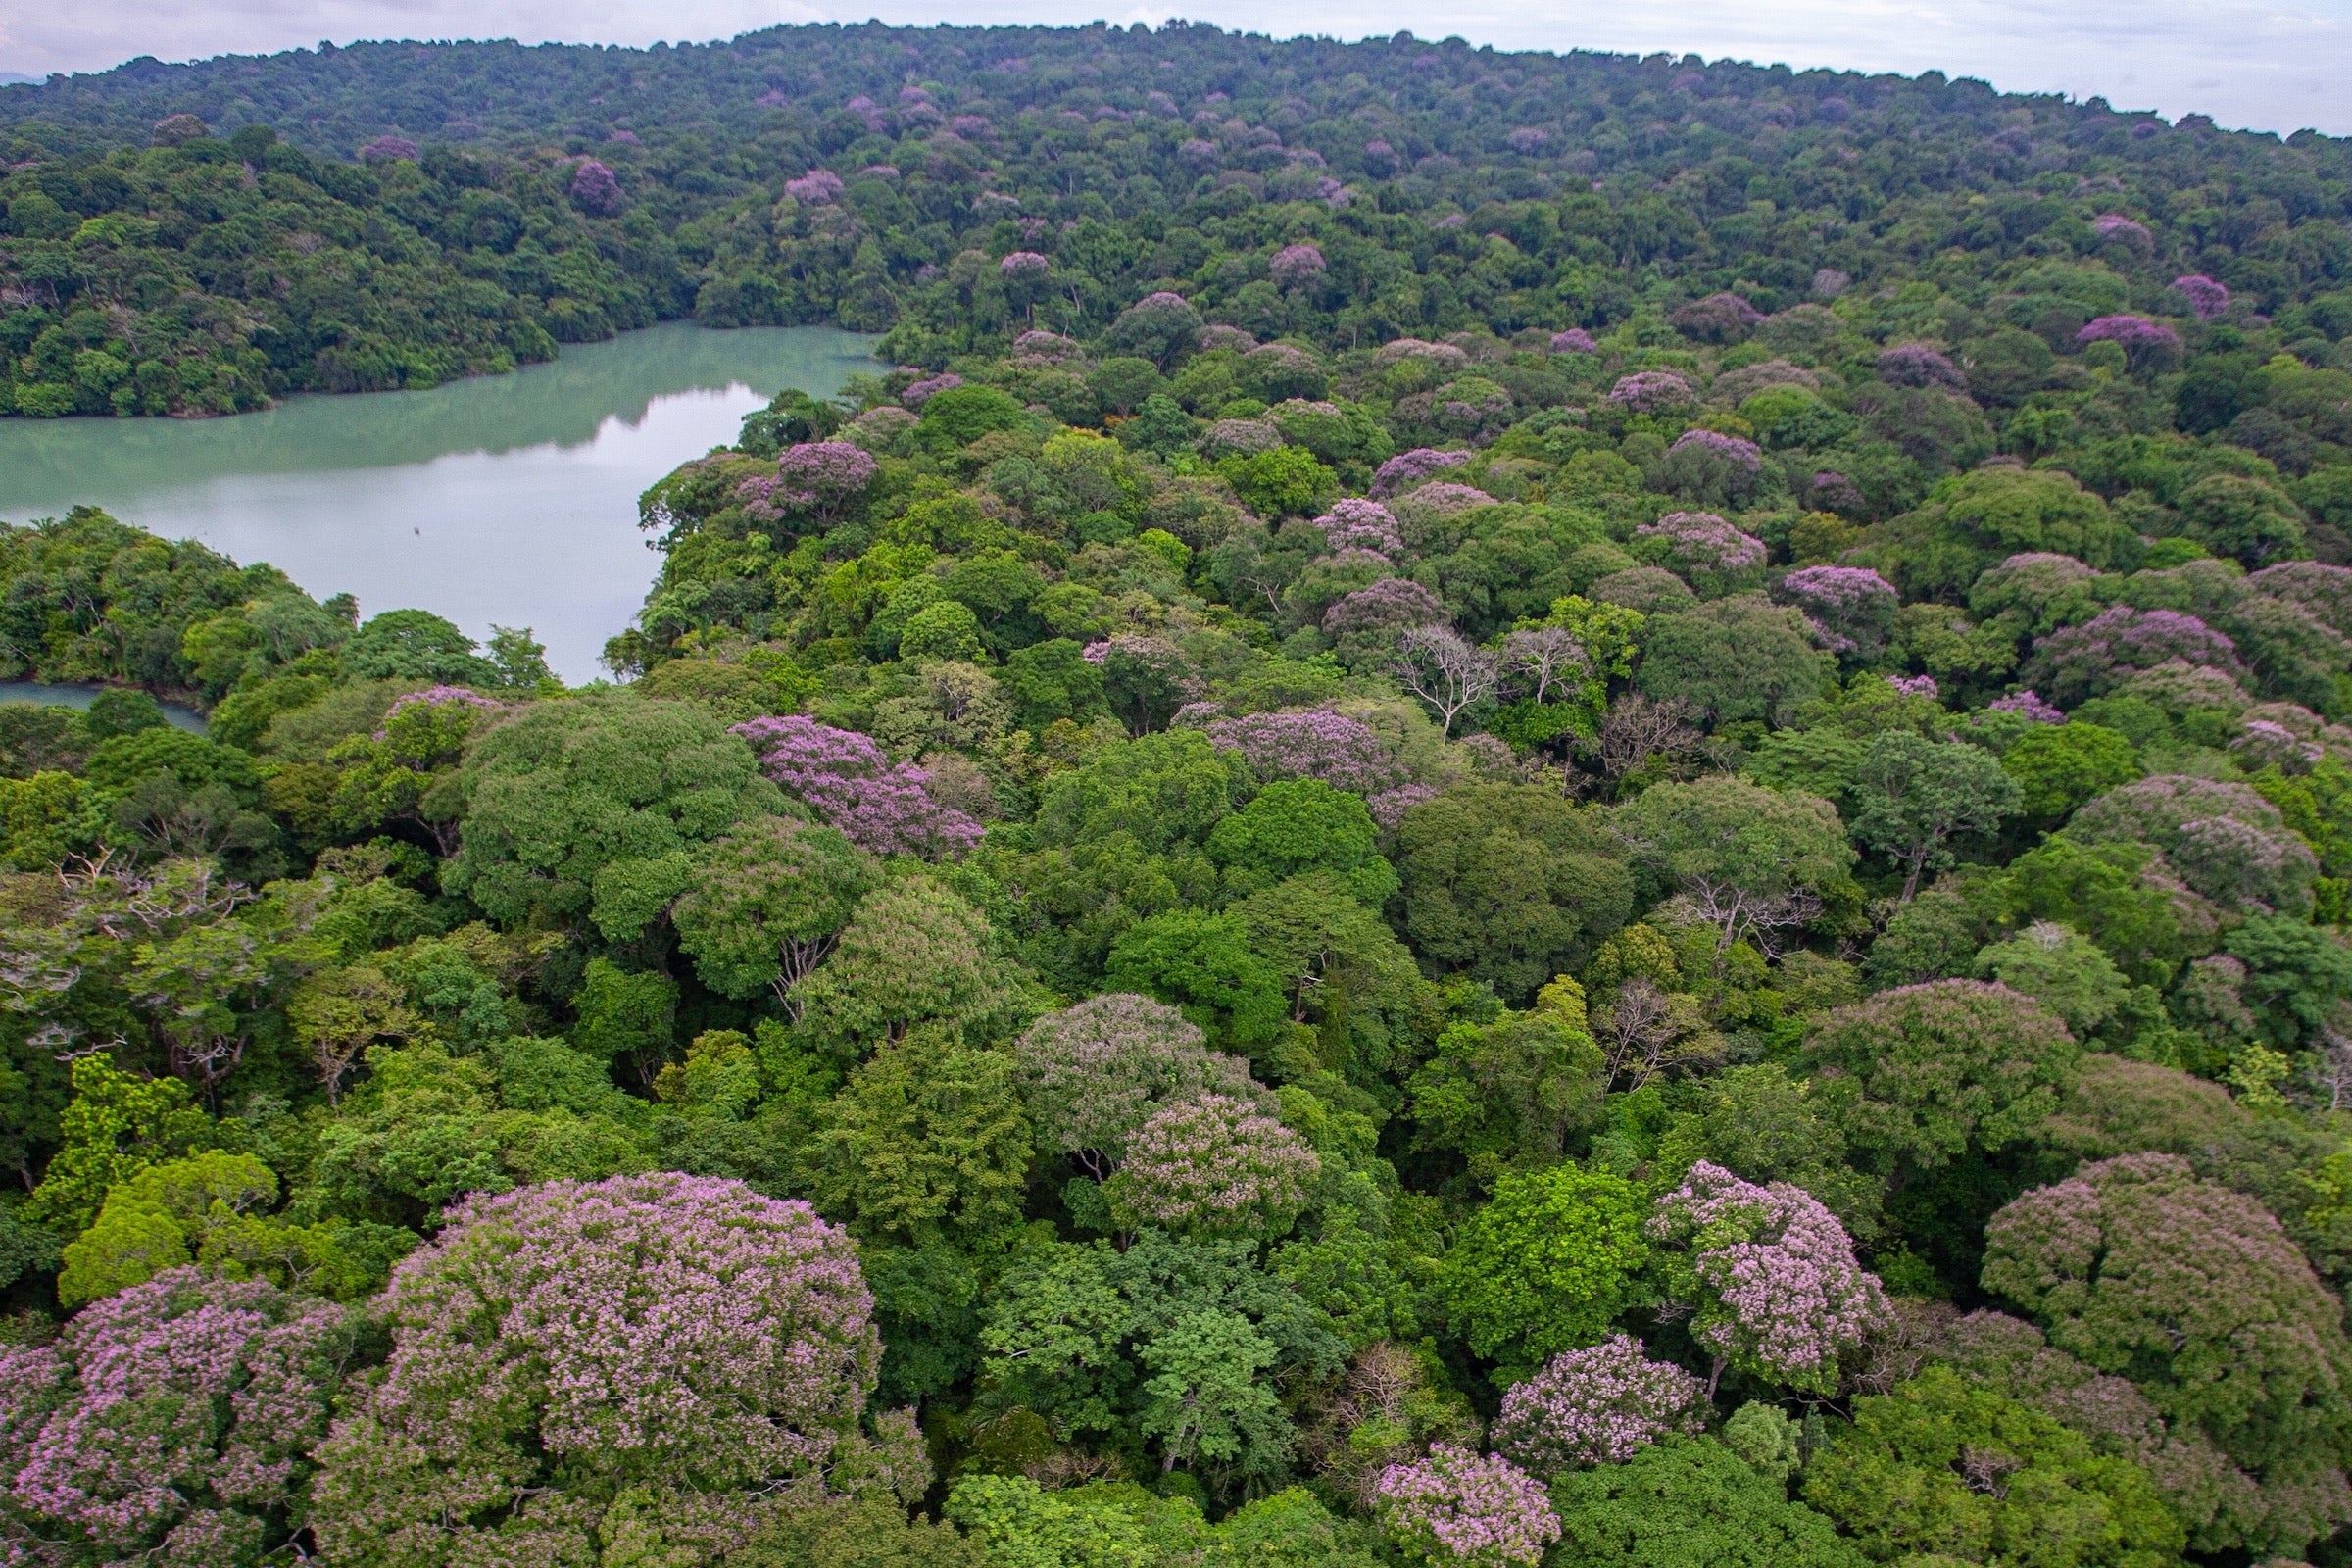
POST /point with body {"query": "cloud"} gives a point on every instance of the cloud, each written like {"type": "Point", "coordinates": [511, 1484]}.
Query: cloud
{"type": "Point", "coordinates": [2267, 67]}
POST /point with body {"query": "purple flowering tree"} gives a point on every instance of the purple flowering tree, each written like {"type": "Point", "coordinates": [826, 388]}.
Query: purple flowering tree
{"type": "Point", "coordinates": [1717, 318]}
{"type": "Point", "coordinates": [919, 393]}
{"type": "Point", "coordinates": [2075, 663]}
{"type": "Point", "coordinates": [2222, 838]}
{"type": "Point", "coordinates": [1212, 1166]}
{"type": "Point", "coordinates": [1295, 263]}
{"type": "Point", "coordinates": [1023, 265]}
{"type": "Point", "coordinates": [853, 784]}
{"type": "Point", "coordinates": [2322, 590]}
{"type": "Point", "coordinates": [387, 149]}
{"type": "Point", "coordinates": [1344, 753]}
{"type": "Point", "coordinates": [1715, 558]}
{"type": "Point", "coordinates": [2123, 230]}
{"type": "Point", "coordinates": [1830, 491]}
{"type": "Point", "coordinates": [2146, 344]}
{"type": "Point", "coordinates": [1576, 340]}
{"type": "Point", "coordinates": [1383, 610]}
{"type": "Point", "coordinates": [1649, 391]}
{"type": "Point", "coordinates": [1355, 523]}
{"type": "Point", "coordinates": [1768, 1275]}
{"type": "Point", "coordinates": [2030, 704]}
{"type": "Point", "coordinates": [2206, 297]}
{"type": "Point", "coordinates": [665, 1357]}
{"type": "Point", "coordinates": [826, 477]}
{"type": "Point", "coordinates": [1851, 606]}
{"type": "Point", "coordinates": [1710, 468]}
{"type": "Point", "coordinates": [1457, 1507]}
{"type": "Point", "coordinates": [594, 190]}
{"type": "Point", "coordinates": [1409, 469]}
{"type": "Point", "coordinates": [1598, 1405]}
{"type": "Point", "coordinates": [819, 187]}
{"type": "Point", "coordinates": [1917, 364]}
{"type": "Point", "coordinates": [1096, 1072]}
{"type": "Point", "coordinates": [1160, 326]}
{"type": "Point", "coordinates": [172, 1422]}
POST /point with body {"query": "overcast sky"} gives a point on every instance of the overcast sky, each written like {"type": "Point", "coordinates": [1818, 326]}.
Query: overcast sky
{"type": "Point", "coordinates": [2271, 67]}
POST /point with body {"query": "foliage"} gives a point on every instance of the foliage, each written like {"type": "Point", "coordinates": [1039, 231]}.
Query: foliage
{"type": "Point", "coordinates": [1688, 1501]}
{"type": "Point", "coordinates": [1545, 1265]}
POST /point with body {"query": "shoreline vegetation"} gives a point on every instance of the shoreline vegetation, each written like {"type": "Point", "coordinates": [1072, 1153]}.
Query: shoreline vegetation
{"type": "Point", "coordinates": [1491, 810]}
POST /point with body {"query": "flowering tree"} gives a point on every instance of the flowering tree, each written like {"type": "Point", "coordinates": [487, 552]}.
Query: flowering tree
{"type": "Point", "coordinates": [1344, 753]}
{"type": "Point", "coordinates": [2194, 1293]}
{"type": "Point", "coordinates": [594, 190]}
{"type": "Point", "coordinates": [1648, 391]}
{"type": "Point", "coordinates": [1917, 364]}
{"type": "Point", "coordinates": [1459, 1507]}
{"type": "Point", "coordinates": [1159, 326]}
{"type": "Point", "coordinates": [2028, 705]}
{"type": "Point", "coordinates": [1379, 611]}
{"type": "Point", "coordinates": [1096, 1072]}
{"type": "Point", "coordinates": [2222, 839]}
{"type": "Point", "coordinates": [1409, 469]}
{"type": "Point", "coordinates": [1707, 467]}
{"type": "Point", "coordinates": [825, 477]}
{"type": "Point", "coordinates": [1295, 263]}
{"type": "Point", "coordinates": [1716, 558]}
{"type": "Point", "coordinates": [172, 1422]}
{"type": "Point", "coordinates": [1597, 1405]}
{"type": "Point", "coordinates": [673, 1356]}
{"type": "Point", "coordinates": [387, 149]}
{"type": "Point", "coordinates": [2096, 656]}
{"type": "Point", "coordinates": [1576, 340]}
{"type": "Point", "coordinates": [2124, 231]}
{"type": "Point", "coordinates": [819, 187]}
{"type": "Point", "coordinates": [919, 393]}
{"type": "Point", "coordinates": [854, 785]}
{"type": "Point", "coordinates": [1355, 523]}
{"type": "Point", "coordinates": [1024, 265]}
{"type": "Point", "coordinates": [1768, 1275]}
{"type": "Point", "coordinates": [2206, 297]}
{"type": "Point", "coordinates": [1852, 607]}
{"type": "Point", "coordinates": [1214, 1165]}
{"type": "Point", "coordinates": [2147, 344]}
{"type": "Point", "coordinates": [1436, 664]}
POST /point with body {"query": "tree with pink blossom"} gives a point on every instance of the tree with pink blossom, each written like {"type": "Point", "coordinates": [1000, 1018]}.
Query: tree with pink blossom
{"type": "Point", "coordinates": [852, 783]}
{"type": "Point", "coordinates": [1023, 265]}
{"type": "Point", "coordinates": [2093, 659]}
{"type": "Point", "coordinates": [1457, 1507]}
{"type": "Point", "coordinates": [1707, 467]}
{"type": "Point", "coordinates": [172, 1422]}
{"type": "Point", "coordinates": [819, 187]}
{"type": "Point", "coordinates": [2123, 230]}
{"type": "Point", "coordinates": [594, 190]}
{"type": "Point", "coordinates": [1649, 391]}
{"type": "Point", "coordinates": [1576, 340]}
{"type": "Point", "coordinates": [2146, 344]}
{"type": "Point", "coordinates": [1355, 523]}
{"type": "Point", "coordinates": [1717, 318]}
{"type": "Point", "coordinates": [1095, 1073]}
{"type": "Point", "coordinates": [1344, 753]}
{"type": "Point", "coordinates": [1715, 558]}
{"type": "Point", "coordinates": [825, 478]}
{"type": "Point", "coordinates": [1768, 1276]}
{"type": "Point", "coordinates": [1212, 1166]}
{"type": "Point", "coordinates": [1917, 364]}
{"type": "Point", "coordinates": [668, 1360]}
{"type": "Point", "coordinates": [1852, 607]}
{"type": "Point", "coordinates": [1296, 263]}
{"type": "Point", "coordinates": [1597, 1405]}
{"type": "Point", "coordinates": [1409, 469]}
{"type": "Point", "coordinates": [2207, 298]}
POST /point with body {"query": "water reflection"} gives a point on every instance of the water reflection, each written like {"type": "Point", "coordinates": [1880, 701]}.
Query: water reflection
{"type": "Point", "coordinates": [505, 499]}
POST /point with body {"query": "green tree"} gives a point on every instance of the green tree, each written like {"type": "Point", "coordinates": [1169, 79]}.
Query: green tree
{"type": "Point", "coordinates": [1684, 1502]}
{"type": "Point", "coordinates": [1752, 860]}
{"type": "Point", "coordinates": [1297, 826]}
{"type": "Point", "coordinates": [1739, 661]}
{"type": "Point", "coordinates": [2059, 767]}
{"type": "Point", "coordinates": [767, 902]}
{"type": "Point", "coordinates": [1915, 795]}
{"type": "Point", "coordinates": [1508, 1093]}
{"type": "Point", "coordinates": [912, 953]}
{"type": "Point", "coordinates": [1545, 1265]}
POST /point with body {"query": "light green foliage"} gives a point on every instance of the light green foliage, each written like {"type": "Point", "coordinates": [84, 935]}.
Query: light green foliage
{"type": "Point", "coordinates": [872, 1533]}
{"type": "Point", "coordinates": [116, 1127]}
{"type": "Point", "coordinates": [1742, 851]}
{"type": "Point", "coordinates": [1545, 1265]}
{"type": "Point", "coordinates": [766, 904]}
{"type": "Point", "coordinates": [2059, 767]}
{"type": "Point", "coordinates": [2063, 971]}
{"type": "Point", "coordinates": [1945, 1467]}
{"type": "Point", "coordinates": [1690, 1502]}
{"type": "Point", "coordinates": [1297, 825]}
{"type": "Point", "coordinates": [927, 1142]}
{"type": "Point", "coordinates": [623, 1013]}
{"type": "Point", "coordinates": [1511, 1091]}
{"type": "Point", "coordinates": [1764, 1125]}
{"type": "Point", "coordinates": [1102, 1525]}
{"type": "Point", "coordinates": [1763, 1436]}
{"type": "Point", "coordinates": [1203, 965]}
{"type": "Point", "coordinates": [598, 810]}
{"type": "Point", "coordinates": [912, 953]}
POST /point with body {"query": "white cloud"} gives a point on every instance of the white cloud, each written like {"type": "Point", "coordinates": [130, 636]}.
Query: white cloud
{"type": "Point", "coordinates": [2265, 66]}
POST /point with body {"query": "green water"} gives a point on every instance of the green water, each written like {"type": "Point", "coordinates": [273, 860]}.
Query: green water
{"type": "Point", "coordinates": [508, 500]}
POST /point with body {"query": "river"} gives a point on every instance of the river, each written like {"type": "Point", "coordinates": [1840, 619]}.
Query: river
{"type": "Point", "coordinates": [508, 500]}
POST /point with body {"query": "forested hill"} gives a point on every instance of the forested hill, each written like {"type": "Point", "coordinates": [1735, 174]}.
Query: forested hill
{"type": "Point", "coordinates": [197, 238]}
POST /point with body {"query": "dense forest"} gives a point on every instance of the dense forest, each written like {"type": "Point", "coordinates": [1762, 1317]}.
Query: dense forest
{"type": "Point", "coordinates": [1488, 810]}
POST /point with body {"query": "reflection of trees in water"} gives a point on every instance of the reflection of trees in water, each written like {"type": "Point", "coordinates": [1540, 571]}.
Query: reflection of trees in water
{"type": "Point", "coordinates": [564, 404]}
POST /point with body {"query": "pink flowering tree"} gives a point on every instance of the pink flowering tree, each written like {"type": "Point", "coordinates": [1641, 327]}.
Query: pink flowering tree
{"type": "Point", "coordinates": [824, 477]}
{"type": "Point", "coordinates": [852, 783]}
{"type": "Point", "coordinates": [1093, 1074]}
{"type": "Point", "coordinates": [1717, 318]}
{"type": "Point", "coordinates": [2075, 663]}
{"type": "Point", "coordinates": [819, 187]}
{"type": "Point", "coordinates": [2206, 297]}
{"type": "Point", "coordinates": [172, 1422]}
{"type": "Point", "coordinates": [919, 393]}
{"type": "Point", "coordinates": [1409, 469]}
{"type": "Point", "coordinates": [1768, 1276]}
{"type": "Point", "coordinates": [594, 190]}
{"type": "Point", "coordinates": [1457, 1507]}
{"type": "Point", "coordinates": [2147, 345]}
{"type": "Point", "coordinates": [1649, 391]}
{"type": "Point", "coordinates": [1160, 327]}
{"type": "Point", "coordinates": [1368, 622]}
{"type": "Point", "coordinates": [1344, 753]}
{"type": "Point", "coordinates": [1023, 265]}
{"type": "Point", "coordinates": [1852, 608]}
{"type": "Point", "coordinates": [1710, 468]}
{"type": "Point", "coordinates": [1715, 558]}
{"type": "Point", "coordinates": [1917, 364]}
{"type": "Point", "coordinates": [2028, 705]}
{"type": "Point", "coordinates": [2123, 230]}
{"type": "Point", "coordinates": [1355, 523]}
{"type": "Point", "coordinates": [1296, 263]}
{"type": "Point", "coordinates": [668, 1360]}
{"type": "Point", "coordinates": [387, 149]}
{"type": "Point", "coordinates": [1597, 1405]}
{"type": "Point", "coordinates": [1214, 1165]}
{"type": "Point", "coordinates": [1576, 340]}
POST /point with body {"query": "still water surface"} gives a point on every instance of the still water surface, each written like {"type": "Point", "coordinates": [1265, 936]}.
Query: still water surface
{"type": "Point", "coordinates": [510, 499]}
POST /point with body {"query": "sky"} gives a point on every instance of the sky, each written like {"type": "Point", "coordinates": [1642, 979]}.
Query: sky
{"type": "Point", "coordinates": [2265, 66]}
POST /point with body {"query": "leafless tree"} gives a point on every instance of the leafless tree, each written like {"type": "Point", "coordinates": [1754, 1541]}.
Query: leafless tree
{"type": "Point", "coordinates": [1546, 655]}
{"type": "Point", "coordinates": [1638, 728]}
{"type": "Point", "coordinates": [1437, 666]}
{"type": "Point", "coordinates": [1645, 1033]}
